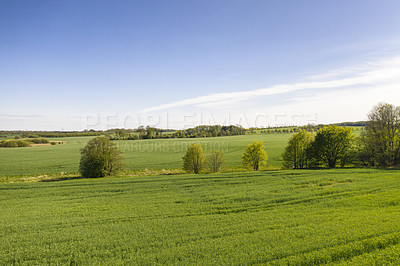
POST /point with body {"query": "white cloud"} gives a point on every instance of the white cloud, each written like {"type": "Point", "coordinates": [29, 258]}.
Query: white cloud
{"type": "Point", "coordinates": [370, 74]}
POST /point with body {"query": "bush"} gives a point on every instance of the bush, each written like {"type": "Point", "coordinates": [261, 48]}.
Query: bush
{"type": "Point", "coordinates": [53, 143]}
{"type": "Point", "coordinates": [194, 159]}
{"type": "Point", "coordinates": [22, 143]}
{"type": "Point", "coordinates": [14, 143]}
{"type": "Point", "coordinates": [39, 141]}
{"type": "Point", "coordinates": [10, 144]}
{"type": "Point", "coordinates": [100, 157]}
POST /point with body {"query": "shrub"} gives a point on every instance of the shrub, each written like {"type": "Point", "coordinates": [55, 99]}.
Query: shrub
{"type": "Point", "coordinates": [53, 143]}
{"type": "Point", "coordinates": [22, 143]}
{"type": "Point", "coordinates": [39, 141]}
{"type": "Point", "coordinates": [10, 144]}
{"type": "Point", "coordinates": [99, 158]}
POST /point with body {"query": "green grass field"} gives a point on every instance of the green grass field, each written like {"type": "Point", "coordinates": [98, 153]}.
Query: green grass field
{"type": "Point", "coordinates": [138, 154]}
{"type": "Point", "coordinates": [305, 217]}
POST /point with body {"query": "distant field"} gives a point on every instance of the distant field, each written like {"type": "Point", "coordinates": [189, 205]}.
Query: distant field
{"type": "Point", "coordinates": [138, 154]}
{"type": "Point", "coordinates": [304, 217]}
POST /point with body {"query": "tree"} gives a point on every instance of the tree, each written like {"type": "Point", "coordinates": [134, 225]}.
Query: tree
{"type": "Point", "coordinates": [255, 155]}
{"type": "Point", "coordinates": [381, 139]}
{"type": "Point", "coordinates": [194, 159]}
{"type": "Point", "coordinates": [296, 152]}
{"type": "Point", "coordinates": [149, 134]}
{"type": "Point", "coordinates": [99, 158]}
{"type": "Point", "coordinates": [332, 145]}
{"type": "Point", "coordinates": [215, 160]}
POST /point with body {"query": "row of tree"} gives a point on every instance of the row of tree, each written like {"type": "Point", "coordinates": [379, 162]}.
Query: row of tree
{"type": "Point", "coordinates": [51, 134]}
{"type": "Point", "coordinates": [157, 133]}
{"type": "Point", "coordinates": [332, 146]}
{"type": "Point", "coordinates": [195, 159]}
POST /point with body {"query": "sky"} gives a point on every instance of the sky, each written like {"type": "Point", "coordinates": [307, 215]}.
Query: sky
{"type": "Point", "coordinates": [93, 64]}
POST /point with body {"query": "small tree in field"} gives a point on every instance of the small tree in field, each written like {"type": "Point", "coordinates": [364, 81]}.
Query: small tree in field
{"type": "Point", "coordinates": [194, 159]}
{"type": "Point", "coordinates": [255, 155]}
{"type": "Point", "coordinates": [215, 161]}
{"type": "Point", "coordinates": [99, 158]}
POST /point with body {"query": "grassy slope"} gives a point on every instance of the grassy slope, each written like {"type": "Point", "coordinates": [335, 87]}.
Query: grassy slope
{"type": "Point", "coordinates": [274, 217]}
{"type": "Point", "coordinates": [141, 154]}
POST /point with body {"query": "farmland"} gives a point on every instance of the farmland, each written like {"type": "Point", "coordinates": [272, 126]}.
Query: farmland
{"type": "Point", "coordinates": [138, 154]}
{"type": "Point", "coordinates": [270, 217]}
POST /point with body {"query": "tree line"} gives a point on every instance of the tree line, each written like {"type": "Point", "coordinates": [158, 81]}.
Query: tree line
{"type": "Point", "coordinates": [148, 132]}
{"type": "Point", "coordinates": [333, 146]}
{"type": "Point", "coordinates": [141, 132]}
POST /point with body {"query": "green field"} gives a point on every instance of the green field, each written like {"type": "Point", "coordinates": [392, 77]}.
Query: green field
{"type": "Point", "coordinates": [138, 154]}
{"type": "Point", "coordinates": [340, 216]}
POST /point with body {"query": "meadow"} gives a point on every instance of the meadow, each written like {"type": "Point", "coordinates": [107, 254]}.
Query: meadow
{"type": "Point", "coordinates": [304, 217]}
{"type": "Point", "coordinates": [138, 154]}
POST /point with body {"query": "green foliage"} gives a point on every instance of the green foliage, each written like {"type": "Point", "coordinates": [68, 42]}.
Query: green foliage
{"type": "Point", "coordinates": [149, 134]}
{"type": "Point", "coordinates": [210, 131]}
{"type": "Point", "coordinates": [9, 144]}
{"type": "Point", "coordinates": [22, 143]}
{"type": "Point", "coordinates": [31, 136]}
{"type": "Point", "coordinates": [296, 153]}
{"type": "Point", "coordinates": [194, 159]}
{"type": "Point", "coordinates": [332, 145]}
{"type": "Point", "coordinates": [302, 217]}
{"type": "Point", "coordinates": [255, 155]}
{"type": "Point", "coordinates": [14, 143]}
{"type": "Point", "coordinates": [382, 138]}
{"type": "Point", "coordinates": [215, 161]}
{"type": "Point", "coordinates": [100, 157]}
{"type": "Point", "coordinates": [39, 141]}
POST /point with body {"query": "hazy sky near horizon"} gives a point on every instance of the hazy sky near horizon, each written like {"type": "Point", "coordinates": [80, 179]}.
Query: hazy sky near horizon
{"type": "Point", "coordinates": [73, 65]}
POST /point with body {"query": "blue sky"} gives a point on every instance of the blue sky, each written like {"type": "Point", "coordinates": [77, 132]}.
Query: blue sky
{"type": "Point", "coordinates": [74, 65]}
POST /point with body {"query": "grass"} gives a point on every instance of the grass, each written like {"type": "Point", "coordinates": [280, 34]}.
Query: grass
{"type": "Point", "coordinates": [339, 216]}
{"type": "Point", "coordinates": [138, 154]}
{"type": "Point", "coordinates": [35, 161]}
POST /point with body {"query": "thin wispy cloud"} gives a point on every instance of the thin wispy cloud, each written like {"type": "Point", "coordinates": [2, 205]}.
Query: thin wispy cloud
{"type": "Point", "coordinates": [369, 74]}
